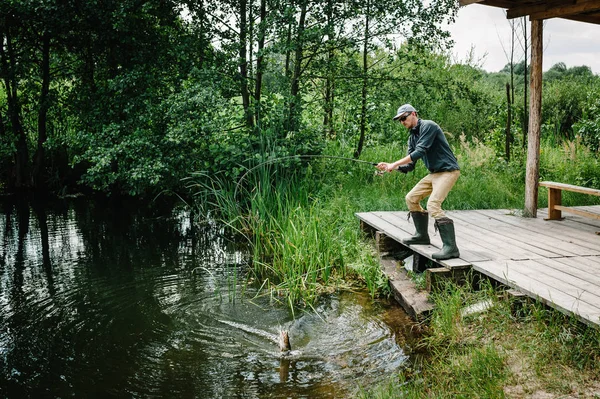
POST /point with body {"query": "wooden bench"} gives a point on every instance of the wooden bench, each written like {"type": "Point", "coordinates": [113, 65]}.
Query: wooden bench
{"type": "Point", "coordinates": [555, 207]}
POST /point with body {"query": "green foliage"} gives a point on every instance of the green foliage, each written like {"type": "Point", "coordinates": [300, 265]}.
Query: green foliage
{"type": "Point", "coordinates": [201, 131]}
{"type": "Point", "coordinates": [560, 71]}
{"type": "Point", "coordinates": [562, 106]}
{"type": "Point", "coordinates": [139, 98]}
{"type": "Point", "coordinates": [588, 127]}
{"type": "Point", "coordinates": [557, 164]}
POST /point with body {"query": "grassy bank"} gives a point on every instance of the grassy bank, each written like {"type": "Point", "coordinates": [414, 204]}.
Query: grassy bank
{"type": "Point", "coordinates": [511, 350]}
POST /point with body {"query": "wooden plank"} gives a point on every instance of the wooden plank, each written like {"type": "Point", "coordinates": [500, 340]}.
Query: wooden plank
{"type": "Point", "coordinates": [511, 244]}
{"type": "Point", "coordinates": [565, 10]}
{"type": "Point", "coordinates": [553, 245]}
{"type": "Point", "coordinates": [576, 268]}
{"type": "Point", "coordinates": [584, 222]}
{"type": "Point", "coordinates": [381, 224]}
{"type": "Point", "coordinates": [379, 221]}
{"type": "Point", "coordinates": [558, 282]}
{"type": "Point", "coordinates": [562, 280]}
{"type": "Point", "coordinates": [579, 219]}
{"type": "Point", "coordinates": [492, 3]}
{"type": "Point", "coordinates": [558, 300]}
{"type": "Point", "coordinates": [394, 221]}
{"type": "Point", "coordinates": [467, 230]}
{"type": "Point", "coordinates": [400, 219]}
{"type": "Point", "coordinates": [435, 279]}
{"type": "Point", "coordinates": [574, 226]}
{"type": "Point", "coordinates": [463, 3]}
{"type": "Point", "coordinates": [456, 263]}
{"type": "Point", "coordinates": [578, 228]}
{"type": "Point", "coordinates": [517, 276]}
{"type": "Point", "coordinates": [551, 230]}
{"type": "Point", "coordinates": [469, 237]}
{"type": "Point", "coordinates": [470, 247]}
{"type": "Point", "coordinates": [524, 10]}
{"type": "Point", "coordinates": [591, 264]}
{"type": "Point", "coordinates": [576, 212]}
{"type": "Point", "coordinates": [414, 301]}
{"type": "Point", "coordinates": [509, 274]}
{"type": "Point", "coordinates": [554, 9]}
{"type": "Point", "coordinates": [588, 208]}
{"type": "Point", "coordinates": [571, 187]}
{"type": "Point", "coordinates": [508, 234]}
{"type": "Point", "coordinates": [591, 19]}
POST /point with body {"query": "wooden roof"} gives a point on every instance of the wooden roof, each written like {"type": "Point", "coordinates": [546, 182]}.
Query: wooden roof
{"type": "Point", "coordinates": [577, 10]}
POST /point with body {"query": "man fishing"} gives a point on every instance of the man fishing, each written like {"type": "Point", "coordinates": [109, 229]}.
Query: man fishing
{"type": "Point", "coordinates": [427, 142]}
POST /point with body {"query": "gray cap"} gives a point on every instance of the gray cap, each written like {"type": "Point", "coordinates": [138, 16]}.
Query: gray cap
{"type": "Point", "coordinates": [404, 109]}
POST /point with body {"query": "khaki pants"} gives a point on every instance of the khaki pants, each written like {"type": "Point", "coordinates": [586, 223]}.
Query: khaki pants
{"type": "Point", "coordinates": [437, 186]}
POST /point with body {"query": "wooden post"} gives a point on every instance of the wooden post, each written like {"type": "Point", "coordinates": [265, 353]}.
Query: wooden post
{"type": "Point", "coordinates": [508, 137]}
{"type": "Point", "coordinates": [554, 198]}
{"type": "Point", "coordinates": [385, 243]}
{"type": "Point", "coordinates": [535, 116]}
{"type": "Point", "coordinates": [368, 229]}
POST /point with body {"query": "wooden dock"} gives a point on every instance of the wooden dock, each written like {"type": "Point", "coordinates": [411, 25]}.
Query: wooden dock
{"type": "Point", "coordinates": [554, 261]}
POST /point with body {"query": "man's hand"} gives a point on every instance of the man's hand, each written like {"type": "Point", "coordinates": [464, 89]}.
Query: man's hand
{"type": "Point", "coordinates": [385, 167]}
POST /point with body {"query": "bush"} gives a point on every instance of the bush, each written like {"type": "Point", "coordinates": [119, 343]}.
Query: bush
{"type": "Point", "coordinates": [588, 128]}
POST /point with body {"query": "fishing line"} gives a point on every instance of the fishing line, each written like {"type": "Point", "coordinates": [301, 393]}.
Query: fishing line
{"type": "Point", "coordinates": [270, 161]}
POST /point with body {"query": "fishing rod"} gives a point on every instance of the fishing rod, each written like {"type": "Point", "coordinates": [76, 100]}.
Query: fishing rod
{"type": "Point", "coordinates": [270, 161]}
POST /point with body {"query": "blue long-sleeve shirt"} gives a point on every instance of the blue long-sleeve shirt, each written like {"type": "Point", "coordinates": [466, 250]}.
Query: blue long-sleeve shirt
{"type": "Point", "coordinates": [428, 142]}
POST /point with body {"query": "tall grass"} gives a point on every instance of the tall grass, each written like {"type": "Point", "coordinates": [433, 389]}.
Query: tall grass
{"type": "Point", "coordinates": [299, 243]}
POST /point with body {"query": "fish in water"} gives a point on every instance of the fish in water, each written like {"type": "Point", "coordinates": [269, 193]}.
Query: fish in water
{"type": "Point", "coordinates": [283, 339]}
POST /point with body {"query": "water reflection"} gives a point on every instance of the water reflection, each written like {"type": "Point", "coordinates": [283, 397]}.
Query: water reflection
{"type": "Point", "coordinates": [112, 301]}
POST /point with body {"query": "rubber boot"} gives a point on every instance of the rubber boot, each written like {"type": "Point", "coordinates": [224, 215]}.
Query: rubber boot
{"type": "Point", "coordinates": [421, 237]}
{"type": "Point", "coordinates": [449, 249]}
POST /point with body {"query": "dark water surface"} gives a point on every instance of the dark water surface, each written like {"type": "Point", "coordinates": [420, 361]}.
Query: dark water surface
{"type": "Point", "coordinates": [111, 301]}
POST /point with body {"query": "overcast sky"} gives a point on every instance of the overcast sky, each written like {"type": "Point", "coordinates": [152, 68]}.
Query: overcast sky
{"type": "Point", "coordinates": [486, 29]}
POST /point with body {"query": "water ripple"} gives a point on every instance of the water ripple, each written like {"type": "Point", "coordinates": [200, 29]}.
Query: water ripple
{"type": "Point", "coordinates": [122, 306]}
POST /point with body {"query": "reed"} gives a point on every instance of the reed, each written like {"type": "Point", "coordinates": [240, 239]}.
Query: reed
{"type": "Point", "coordinates": [298, 245]}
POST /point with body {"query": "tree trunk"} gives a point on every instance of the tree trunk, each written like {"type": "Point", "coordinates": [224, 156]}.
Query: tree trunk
{"type": "Point", "coordinates": [512, 61]}
{"type": "Point", "coordinates": [525, 112]}
{"type": "Point", "coordinates": [508, 123]}
{"type": "Point", "coordinates": [295, 101]}
{"type": "Point", "coordinates": [259, 61]}
{"type": "Point", "coordinates": [533, 145]}
{"type": "Point", "coordinates": [2, 125]}
{"type": "Point", "coordinates": [244, 63]}
{"type": "Point", "coordinates": [39, 156]}
{"type": "Point", "coordinates": [329, 131]}
{"type": "Point", "coordinates": [288, 51]}
{"type": "Point", "coordinates": [20, 179]}
{"type": "Point", "coordinates": [88, 78]}
{"type": "Point", "coordinates": [363, 110]}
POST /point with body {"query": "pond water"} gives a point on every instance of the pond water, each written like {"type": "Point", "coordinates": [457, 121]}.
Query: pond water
{"type": "Point", "coordinates": [108, 300]}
